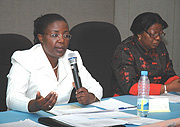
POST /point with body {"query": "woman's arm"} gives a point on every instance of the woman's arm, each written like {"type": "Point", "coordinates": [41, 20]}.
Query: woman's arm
{"type": "Point", "coordinates": [18, 79]}
{"type": "Point", "coordinates": [123, 66]}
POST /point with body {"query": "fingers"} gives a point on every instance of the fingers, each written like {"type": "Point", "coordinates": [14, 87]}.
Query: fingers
{"type": "Point", "coordinates": [39, 100]}
{"type": "Point", "coordinates": [178, 80]}
{"type": "Point", "coordinates": [174, 86]}
{"type": "Point", "coordinates": [48, 102]}
{"type": "Point", "coordinates": [82, 95]}
{"type": "Point", "coordinates": [81, 90]}
{"type": "Point", "coordinates": [38, 95]}
{"type": "Point", "coordinates": [51, 100]}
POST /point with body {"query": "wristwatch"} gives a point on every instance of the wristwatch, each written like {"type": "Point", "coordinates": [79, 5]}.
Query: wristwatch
{"type": "Point", "coordinates": [165, 89]}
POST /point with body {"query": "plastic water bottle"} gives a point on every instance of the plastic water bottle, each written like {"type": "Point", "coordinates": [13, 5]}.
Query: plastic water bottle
{"type": "Point", "coordinates": [143, 95]}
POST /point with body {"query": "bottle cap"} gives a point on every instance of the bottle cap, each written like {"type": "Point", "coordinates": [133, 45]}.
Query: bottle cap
{"type": "Point", "coordinates": [144, 73]}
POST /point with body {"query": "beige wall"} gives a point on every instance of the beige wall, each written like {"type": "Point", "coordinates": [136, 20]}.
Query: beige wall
{"type": "Point", "coordinates": [17, 16]}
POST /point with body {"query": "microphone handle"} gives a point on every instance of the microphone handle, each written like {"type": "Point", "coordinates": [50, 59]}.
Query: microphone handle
{"type": "Point", "coordinates": [77, 79]}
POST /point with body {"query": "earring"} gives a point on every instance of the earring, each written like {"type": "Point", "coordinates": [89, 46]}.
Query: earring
{"type": "Point", "coordinates": [139, 38]}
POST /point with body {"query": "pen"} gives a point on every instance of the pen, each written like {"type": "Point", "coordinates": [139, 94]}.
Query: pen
{"type": "Point", "coordinates": [127, 107]}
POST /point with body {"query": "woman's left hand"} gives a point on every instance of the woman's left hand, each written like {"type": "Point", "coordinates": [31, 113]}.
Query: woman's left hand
{"type": "Point", "coordinates": [84, 97]}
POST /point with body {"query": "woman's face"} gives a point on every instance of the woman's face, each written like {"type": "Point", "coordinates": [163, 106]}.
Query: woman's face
{"type": "Point", "coordinates": [55, 39]}
{"type": "Point", "coordinates": [151, 38]}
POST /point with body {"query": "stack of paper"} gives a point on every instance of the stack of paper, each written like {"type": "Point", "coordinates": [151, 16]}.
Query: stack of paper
{"type": "Point", "coordinates": [107, 114]}
{"type": "Point", "coordinates": [25, 123]}
{"type": "Point", "coordinates": [103, 119]}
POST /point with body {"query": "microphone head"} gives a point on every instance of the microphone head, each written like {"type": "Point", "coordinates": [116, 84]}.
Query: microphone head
{"type": "Point", "coordinates": [72, 58]}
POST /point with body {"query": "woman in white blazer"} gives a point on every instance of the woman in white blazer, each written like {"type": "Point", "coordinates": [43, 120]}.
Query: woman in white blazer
{"type": "Point", "coordinates": [42, 77]}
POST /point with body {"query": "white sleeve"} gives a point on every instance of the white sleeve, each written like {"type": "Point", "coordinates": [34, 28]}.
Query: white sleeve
{"type": "Point", "coordinates": [87, 80]}
{"type": "Point", "coordinates": [18, 78]}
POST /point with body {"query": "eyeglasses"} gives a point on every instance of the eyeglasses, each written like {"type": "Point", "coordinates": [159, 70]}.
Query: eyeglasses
{"type": "Point", "coordinates": [161, 35]}
{"type": "Point", "coordinates": [55, 36]}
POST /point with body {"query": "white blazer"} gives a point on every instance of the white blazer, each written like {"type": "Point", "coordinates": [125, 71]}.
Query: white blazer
{"type": "Point", "coordinates": [31, 71]}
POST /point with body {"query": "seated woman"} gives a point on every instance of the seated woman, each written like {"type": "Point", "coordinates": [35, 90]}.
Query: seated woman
{"type": "Point", "coordinates": [144, 50]}
{"type": "Point", "coordinates": [42, 77]}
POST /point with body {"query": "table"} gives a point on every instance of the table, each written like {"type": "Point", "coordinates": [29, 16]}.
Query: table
{"type": "Point", "coordinates": [14, 116]}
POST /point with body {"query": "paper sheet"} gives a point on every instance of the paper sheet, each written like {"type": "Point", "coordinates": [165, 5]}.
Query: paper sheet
{"type": "Point", "coordinates": [172, 97]}
{"type": "Point", "coordinates": [73, 109]}
{"type": "Point", "coordinates": [25, 123]}
{"type": "Point", "coordinates": [113, 104]}
{"type": "Point", "coordinates": [159, 105]}
{"type": "Point", "coordinates": [81, 121]}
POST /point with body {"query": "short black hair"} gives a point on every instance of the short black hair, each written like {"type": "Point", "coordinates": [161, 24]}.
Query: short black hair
{"type": "Point", "coordinates": [41, 23]}
{"type": "Point", "coordinates": [145, 20]}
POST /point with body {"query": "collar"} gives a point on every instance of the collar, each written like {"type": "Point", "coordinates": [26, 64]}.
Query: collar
{"type": "Point", "coordinates": [43, 64]}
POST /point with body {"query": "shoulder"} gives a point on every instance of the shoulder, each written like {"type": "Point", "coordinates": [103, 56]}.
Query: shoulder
{"type": "Point", "coordinates": [162, 50]}
{"type": "Point", "coordinates": [129, 40]}
{"type": "Point", "coordinates": [25, 57]}
{"type": "Point", "coordinates": [25, 54]}
{"type": "Point", "coordinates": [162, 47]}
{"type": "Point", "coordinates": [126, 44]}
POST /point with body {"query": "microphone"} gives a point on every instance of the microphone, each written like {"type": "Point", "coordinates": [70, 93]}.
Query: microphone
{"type": "Point", "coordinates": [73, 62]}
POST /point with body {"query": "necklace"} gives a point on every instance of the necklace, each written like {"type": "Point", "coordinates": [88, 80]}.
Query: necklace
{"type": "Point", "coordinates": [55, 67]}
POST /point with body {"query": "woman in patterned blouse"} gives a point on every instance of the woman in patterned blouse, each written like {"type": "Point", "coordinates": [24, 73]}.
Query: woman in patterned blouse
{"type": "Point", "coordinates": [144, 50]}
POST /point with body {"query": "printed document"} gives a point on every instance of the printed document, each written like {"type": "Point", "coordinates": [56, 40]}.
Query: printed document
{"type": "Point", "coordinates": [113, 104]}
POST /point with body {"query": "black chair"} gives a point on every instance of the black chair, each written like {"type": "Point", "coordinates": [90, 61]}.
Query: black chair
{"type": "Point", "coordinates": [8, 44]}
{"type": "Point", "coordinates": [96, 42]}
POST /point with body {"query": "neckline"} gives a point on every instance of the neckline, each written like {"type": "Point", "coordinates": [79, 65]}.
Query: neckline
{"type": "Point", "coordinates": [54, 68]}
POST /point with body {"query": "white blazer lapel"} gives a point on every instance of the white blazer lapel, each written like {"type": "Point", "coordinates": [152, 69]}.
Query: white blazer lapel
{"type": "Point", "coordinates": [62, 70]}
{"type": "Point", "coordinates": [43, 65]}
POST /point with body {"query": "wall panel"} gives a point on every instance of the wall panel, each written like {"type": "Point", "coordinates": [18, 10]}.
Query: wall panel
{"type": "Point", "coordinates": [176, 35]}
{"type": "Point", "coordinates": [17, 16]}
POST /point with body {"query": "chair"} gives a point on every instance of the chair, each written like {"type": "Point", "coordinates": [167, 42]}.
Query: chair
{"type": "Point", "coordinates": [9, 44]}
{"type": "Point", "coordinates": [96, 42]}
